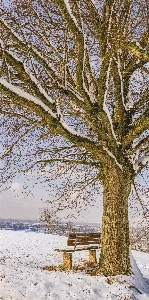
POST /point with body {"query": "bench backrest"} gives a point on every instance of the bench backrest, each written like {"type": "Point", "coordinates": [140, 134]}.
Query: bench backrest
{"type": "Point", "coordinates": [81, 238]}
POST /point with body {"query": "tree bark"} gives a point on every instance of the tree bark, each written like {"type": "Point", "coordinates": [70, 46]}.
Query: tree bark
{"type": "Point", "coordinates": [114, 257]}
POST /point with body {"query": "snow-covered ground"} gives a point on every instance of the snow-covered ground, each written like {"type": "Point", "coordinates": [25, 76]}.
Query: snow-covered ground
{"type": "Point", "coordinates": [24, 254]}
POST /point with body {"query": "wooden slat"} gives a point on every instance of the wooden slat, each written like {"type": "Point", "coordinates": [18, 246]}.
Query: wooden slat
{"type": "Point", "coordinates": [71, 235]}
{"type": "Point", "coordinates": [83, 234]}
{"type": "Point", "coordinates": [83, 238]}
{"type": "Point", "coordinates": [77, 249]}
{"type": "Point", "coordinates": [88, 238]}
{"type": "Point", "coordinates": [70, 243]}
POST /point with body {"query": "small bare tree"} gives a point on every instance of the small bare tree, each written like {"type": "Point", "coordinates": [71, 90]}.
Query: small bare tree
{"type": "Point", "coordinates": [74, 76]}
{"type": "Point", "coordinates": [49, 219]}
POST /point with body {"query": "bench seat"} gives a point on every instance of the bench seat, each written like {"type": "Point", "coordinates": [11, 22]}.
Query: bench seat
{"type": "Point", "coordinates": [77, 249]}
{"type": "Point", "coordinates": [80, 241]}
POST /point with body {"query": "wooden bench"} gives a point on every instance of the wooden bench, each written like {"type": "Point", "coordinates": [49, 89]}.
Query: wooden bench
{"type": "Point", "coordinates": [80, 239]}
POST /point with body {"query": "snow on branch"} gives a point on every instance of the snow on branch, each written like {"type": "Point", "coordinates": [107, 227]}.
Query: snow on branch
{"type": "Point", "coordinates": [104, 103]}
{"type": "Point", "coordinates": [26, 96]}
{"type": "Point", "coordinates": [83, 71]}
{"type": "Point", "coordinates": [111, 155]}
{"type": "Point", "coordinates": [71, 89]}
{"type": "Point", "coordinates": [53, 73]}
{"type": "Point", "coordinates": [72, 131]}
{"type": "Point", "coordinates": [139, 160]}
{"type": "Point", "coordinates": [121, 79]}
{"type": "Point", "coordinates": [143, 143]}
{"type": "Point", "coordinates": [33, 79]}
{"type": "Point", "coordinates": [143, 160]}
{"type": "Point", "coordinates": [32, 49]}
{"type": "Point", "coordinates": [71, 14]}
{"type": "Point", "coordinates": [35, 100]}
{"type": "Point", "coordinates": [14, 56]}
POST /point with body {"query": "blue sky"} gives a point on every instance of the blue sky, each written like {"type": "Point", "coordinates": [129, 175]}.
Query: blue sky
{"type": "Point", "coordinates": [13, 204]}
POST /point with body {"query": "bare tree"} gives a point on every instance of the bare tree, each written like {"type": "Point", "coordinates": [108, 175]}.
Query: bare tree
{"type": "Point", "coordinates": [74, 75]}
{"type": "Point", "coordinates": [49, 219]}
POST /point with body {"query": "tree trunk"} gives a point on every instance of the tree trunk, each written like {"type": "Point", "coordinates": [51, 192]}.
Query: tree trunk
{"type": "Point", "coordinates": [114, 257]}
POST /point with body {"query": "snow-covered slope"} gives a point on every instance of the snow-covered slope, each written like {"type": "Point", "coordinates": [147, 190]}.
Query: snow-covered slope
{"type": "Point", "coordinates": [24, 254]}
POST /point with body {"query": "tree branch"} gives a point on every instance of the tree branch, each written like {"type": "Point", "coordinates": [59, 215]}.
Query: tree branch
{"type": "Point", "coordinates": [137, 128]}
{"type": "Point", "coordinates": [19, 138]}
{"type": "Point", "coordinates": [145, 213]}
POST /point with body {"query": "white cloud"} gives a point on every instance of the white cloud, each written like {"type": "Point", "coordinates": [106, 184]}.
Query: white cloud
{"type": "Point", "coordinates": [16, 186]}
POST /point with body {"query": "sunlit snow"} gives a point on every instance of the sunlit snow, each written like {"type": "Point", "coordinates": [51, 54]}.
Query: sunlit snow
{"type": "Point", "coordinates": [24, 254]}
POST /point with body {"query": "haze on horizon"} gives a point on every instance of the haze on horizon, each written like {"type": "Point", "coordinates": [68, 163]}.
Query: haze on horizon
{"type": "Point", "coordinates": [14, 205]}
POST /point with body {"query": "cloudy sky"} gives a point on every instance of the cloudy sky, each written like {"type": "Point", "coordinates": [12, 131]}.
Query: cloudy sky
{"type": "Point", "coordinates": [14, 204]}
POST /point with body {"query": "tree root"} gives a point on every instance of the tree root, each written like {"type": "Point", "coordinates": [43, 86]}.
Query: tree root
{"type": "Point", "coordinates": [99, 270]}
{"type": "Point", "coordinates": [54, 268]}
{"type": "Point", "coordinates": [96, 272]}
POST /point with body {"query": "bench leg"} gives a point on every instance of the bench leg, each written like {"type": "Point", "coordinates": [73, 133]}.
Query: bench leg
{"type": "Point", "coordinates": [67, 261]}
{"type": "Point", "coordinates": [92, 256]}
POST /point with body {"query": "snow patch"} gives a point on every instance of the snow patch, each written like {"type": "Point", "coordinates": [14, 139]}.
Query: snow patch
{"type": "Point", "coordinates": [137, 278]}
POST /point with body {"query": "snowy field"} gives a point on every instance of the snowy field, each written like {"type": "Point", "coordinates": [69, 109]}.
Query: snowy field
{"type": "Point", "coordinates": [24, 254]}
